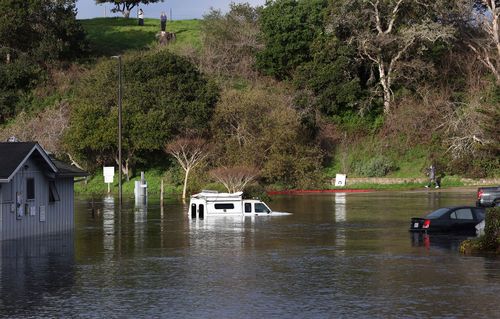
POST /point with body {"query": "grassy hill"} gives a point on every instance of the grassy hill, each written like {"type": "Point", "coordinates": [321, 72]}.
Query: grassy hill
{"type": "Point", "coordinates": [111, 36]}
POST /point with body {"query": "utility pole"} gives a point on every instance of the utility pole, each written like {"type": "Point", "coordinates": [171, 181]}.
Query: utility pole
{"type": "Point", "coordinates": [120, 94]}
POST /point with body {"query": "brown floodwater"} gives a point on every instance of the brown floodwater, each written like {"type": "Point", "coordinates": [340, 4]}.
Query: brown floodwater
{"type": "Point", "coordinates": [337, 255]}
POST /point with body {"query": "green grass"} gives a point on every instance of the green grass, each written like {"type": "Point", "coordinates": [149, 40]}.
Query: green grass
{"type": "Point", "coordinates": [112, 36]}
{"type": "Point", "coordinates": [96, 186]}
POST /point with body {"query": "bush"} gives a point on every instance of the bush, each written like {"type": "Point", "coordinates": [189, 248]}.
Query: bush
{"type": "Point", "coordinates": [490, 241]}
{"type": "Point", "coordinates": [164, 96]}
{"type": "Point", "coordinates": [288, 29]}
{"type": "Point", "coordinates": [378, 166]}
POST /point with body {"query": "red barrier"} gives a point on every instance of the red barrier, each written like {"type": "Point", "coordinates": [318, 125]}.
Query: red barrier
{"type": "Point", "coordinates": [318, 191]}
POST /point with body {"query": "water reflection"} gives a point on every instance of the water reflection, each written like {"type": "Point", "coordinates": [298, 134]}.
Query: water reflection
{"type": "Point", "coordinates": [437, 241]}
{"type": "Point", "coordinates": [140, 220]}
{"type": "Point", "coordinates": [33, 270]}
{"type": "Point", "coordinates": [108, 223]}
{"type": "Point", "coordinates": [341, 255]}
{"type": "Point", "coordinates": [340, 219]}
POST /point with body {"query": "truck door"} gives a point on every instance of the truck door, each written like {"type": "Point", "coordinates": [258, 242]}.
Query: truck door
{"type": "Point", "coordinates": [248, 208]}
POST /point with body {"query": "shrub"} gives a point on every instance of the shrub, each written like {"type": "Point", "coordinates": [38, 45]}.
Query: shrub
{"type": "Point", "coordinates": [378, 166]}
{"type": "Point", "coordinates": [490, 241]}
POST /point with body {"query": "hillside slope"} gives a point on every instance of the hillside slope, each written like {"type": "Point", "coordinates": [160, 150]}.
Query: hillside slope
{"type": "Point", "coordinates": [111, 36]}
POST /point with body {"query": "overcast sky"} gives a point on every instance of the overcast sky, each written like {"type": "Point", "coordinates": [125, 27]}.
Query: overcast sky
{"type": "Point", "coordinates": [181, 9]}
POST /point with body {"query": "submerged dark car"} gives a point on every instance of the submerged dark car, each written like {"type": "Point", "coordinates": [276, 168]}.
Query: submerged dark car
{"type": "Point", "coordinates": [460, 219]}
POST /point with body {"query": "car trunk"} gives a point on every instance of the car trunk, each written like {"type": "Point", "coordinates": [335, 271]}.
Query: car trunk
{"type": "Point", "coordinates": [417, 224]}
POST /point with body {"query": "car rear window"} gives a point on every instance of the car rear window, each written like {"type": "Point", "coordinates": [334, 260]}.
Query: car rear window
{"type": "Point", "coordinates": [437, 213]}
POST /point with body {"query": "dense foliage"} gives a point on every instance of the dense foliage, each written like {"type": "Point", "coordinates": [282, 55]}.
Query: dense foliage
{"type": "Point", "coordinates": [288, 29]}
{"type": "Point", "coordinates": [34, 35]}
{"type": "Point", "coordinates": [164, 96]}
{"type": "Point", "coordinates": [490, 241]}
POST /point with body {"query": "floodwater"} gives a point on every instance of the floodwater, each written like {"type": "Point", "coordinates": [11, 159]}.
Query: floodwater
{"type": "Point", "coordinates": [337, 255]}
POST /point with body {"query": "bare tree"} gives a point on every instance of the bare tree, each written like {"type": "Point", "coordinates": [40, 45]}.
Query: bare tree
{"type": "Point", "coordinates": [230, 41]}
{"type": "Point", "coordinates": [189, 152]}
{"type": "Point", "coordinates": [126, 6]}
{"type": "Point", "coordinates": [235, 178]}
{"type": "Point", "coordinates": [487, 46]}
{"type": "Point", "coordinates": [392, 34]}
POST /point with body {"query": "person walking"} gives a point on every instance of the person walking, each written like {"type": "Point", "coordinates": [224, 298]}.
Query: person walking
{"type": "Point", "coordinates": [431, 172]}
{"type": "Point", "coordinates": [141, 17]}
{"type": "Point", "coordinates": [163, 21]}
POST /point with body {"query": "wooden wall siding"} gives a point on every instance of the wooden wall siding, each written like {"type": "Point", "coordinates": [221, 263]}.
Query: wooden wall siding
{"type": "Point", "coordinates": [58, 215]}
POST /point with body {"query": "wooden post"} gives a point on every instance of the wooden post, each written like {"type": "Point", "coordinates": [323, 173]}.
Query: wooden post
{"type": "Point", "coordinates": [161, 193]}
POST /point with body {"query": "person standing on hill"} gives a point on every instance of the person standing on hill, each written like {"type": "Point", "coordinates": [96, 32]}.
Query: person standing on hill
{"type": "Point", "coordinates": [163, 21]}
{"type": "Point", "coordinates": [141, 17]}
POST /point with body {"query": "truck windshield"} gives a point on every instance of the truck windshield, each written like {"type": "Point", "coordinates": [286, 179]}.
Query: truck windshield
{"type": "Point", "coordinates": [261, 208]}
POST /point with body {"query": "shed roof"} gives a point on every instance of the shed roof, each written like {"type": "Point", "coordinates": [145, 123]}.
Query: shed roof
{"type": "Point", "coordinates": [14, 154]}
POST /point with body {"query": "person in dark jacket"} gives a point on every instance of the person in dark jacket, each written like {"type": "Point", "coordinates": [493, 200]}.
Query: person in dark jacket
{"type": "Point", "coordinates": [163, 21]}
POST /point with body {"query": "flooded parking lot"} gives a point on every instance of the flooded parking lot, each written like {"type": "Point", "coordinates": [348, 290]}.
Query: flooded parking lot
{"type": "Point", "coordinates": [337, 255]}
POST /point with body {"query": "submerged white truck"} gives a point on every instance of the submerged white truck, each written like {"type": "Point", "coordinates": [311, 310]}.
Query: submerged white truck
{"type": "Point", "coordinates": [212, 203]}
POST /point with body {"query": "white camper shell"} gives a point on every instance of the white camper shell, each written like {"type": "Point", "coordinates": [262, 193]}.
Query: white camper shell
{"type": "Point", "coordinates": [212, 203]}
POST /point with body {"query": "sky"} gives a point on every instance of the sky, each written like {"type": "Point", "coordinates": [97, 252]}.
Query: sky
{"type": "Point", "coordinates": [181, 9]}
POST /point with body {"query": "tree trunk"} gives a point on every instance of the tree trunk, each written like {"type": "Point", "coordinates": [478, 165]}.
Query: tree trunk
{"type": "Point", "coordinates": [386, 86]}
{"type": "Point", "coordinates": [126, 13]}
{"type": "Point", "coordinates": [185, 184]}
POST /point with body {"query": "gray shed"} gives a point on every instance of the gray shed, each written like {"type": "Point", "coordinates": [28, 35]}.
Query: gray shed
{"type": "Point", "coordinates": [36, 191]}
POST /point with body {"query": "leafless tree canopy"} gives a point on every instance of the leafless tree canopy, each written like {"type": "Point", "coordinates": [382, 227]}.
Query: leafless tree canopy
{"type": "Point", "coordinates": [487, 46]}
{"type": "Point", "coordinates": [189, 152]}
{"type": "Point", "coordinates": [230, 41]}
{"type": "Point", "coordinates": [235, 178]}
{"type": "Point", "coordinates": [47, 128]}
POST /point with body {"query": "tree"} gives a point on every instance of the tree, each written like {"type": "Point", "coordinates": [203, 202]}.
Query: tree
{"type": "Point", "coordinates": [391, 34]}
{"type": "Point", "coordinates": [126, 6]}
{"type": "Point", "coordinates": [332, 78]}
{"type": "Point", "coordinates": [235, 178]}
{"type": "Point", "coordinates": [163, 96]}
{"type": "Point", "coordinates": [486, 44]}
{"type": "Point", "coordinates": [47, 127]}
{"type": "Point", "coordinates": [44, 30]}
{"type": "Point", "coordinates": [189, 152]}
{"type": "Point", "coordinates": [288, 28]}
{"type": "Point", "coordinates": [230, 41]}
{"type": "Point", "coordinates": [35, 35]}
{"type": "Point", "coordinates": [259, 128]}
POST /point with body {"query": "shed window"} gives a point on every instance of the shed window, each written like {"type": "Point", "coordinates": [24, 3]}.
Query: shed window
{"type": "Point", "coordinates": [30, 189]}
{"type": "Point", "coordinates": [7, 192]}
{"type": "Point", "coordinates": [224, 206]}
{"type": "Point", "coordinates": [53, 193]}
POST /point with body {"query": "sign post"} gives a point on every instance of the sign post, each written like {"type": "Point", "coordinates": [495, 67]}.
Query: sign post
{"type": "Point", "coordinates": [109, 173]}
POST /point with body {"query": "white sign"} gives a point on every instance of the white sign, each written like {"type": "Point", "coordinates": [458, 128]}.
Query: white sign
{"type": "Point", "coordinates": [42, 213]}
{"type": "Point", "coordinates": [108, 172]}
{"type": "Point", "coordinates": [340, 180]}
